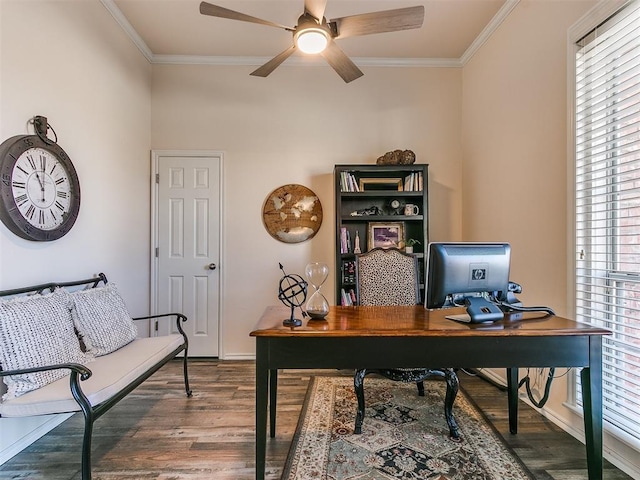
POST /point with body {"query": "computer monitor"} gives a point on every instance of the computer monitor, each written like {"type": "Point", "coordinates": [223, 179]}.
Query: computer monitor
{"type": "Point", "coordinates": [465, 273]}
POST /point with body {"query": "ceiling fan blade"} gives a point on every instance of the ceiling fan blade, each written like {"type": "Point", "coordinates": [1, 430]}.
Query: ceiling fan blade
{"type": "Point", "coordinates": [379, 22]}
{"type": "Point", "coordinates": [274, 63]}
{"type": "Point", "coordinates": [315, 8]}
{"type": "Point", "coordinates": [216, 11]}
{"type": "Point", "coordinates": [342, 64]}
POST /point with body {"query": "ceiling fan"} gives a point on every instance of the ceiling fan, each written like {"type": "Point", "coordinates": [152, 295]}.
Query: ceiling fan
{"type": "Point", "coordinates": [314, 34]}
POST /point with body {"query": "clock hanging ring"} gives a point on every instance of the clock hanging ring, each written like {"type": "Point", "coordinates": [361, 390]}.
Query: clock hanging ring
{"type": "Point", "coordinates": [39, 186]}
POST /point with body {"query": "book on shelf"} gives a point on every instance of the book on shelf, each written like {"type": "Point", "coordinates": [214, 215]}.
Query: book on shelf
{"type": "Point", "coordinates": [345, 240]}
{"type": "Point", "coordinates": [413, 182]}
{"type": "Point", "coordinates": [345, 300]}
{"type": "Point", "coordinates": [352, 294]}
{"type": "Point", "coordinates": [348, 182]}
{"type": "Point", "coordinates": [348, 297]}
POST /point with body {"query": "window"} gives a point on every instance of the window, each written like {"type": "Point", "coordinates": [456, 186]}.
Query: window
{"type": "Point", "coordinates": [607, 206]}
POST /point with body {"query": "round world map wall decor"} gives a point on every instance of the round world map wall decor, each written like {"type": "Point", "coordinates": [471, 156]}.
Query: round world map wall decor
{"type": "Point", "coordinates": [292, 213]}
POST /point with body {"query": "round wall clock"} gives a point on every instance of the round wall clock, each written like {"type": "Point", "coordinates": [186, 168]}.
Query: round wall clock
{"type": "Point", "coordinates": [292, 213]}
{"type": "Point", "coordinates": [39, 187]}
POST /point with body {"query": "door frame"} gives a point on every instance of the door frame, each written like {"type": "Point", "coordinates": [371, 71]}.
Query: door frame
{"type": "Point", "coordinates": [153, 287]}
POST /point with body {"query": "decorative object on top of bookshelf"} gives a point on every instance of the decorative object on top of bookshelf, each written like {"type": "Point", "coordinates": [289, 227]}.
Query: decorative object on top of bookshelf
{"type": "Point", "coordinates": [292, 291]}
{"type": "Point", "coordinates": [385, 234]}
{"type": "Point", "coordinates": [292, 213]}
{"type": "Point", "coordinates": [397, 157]}
{"type": "Point", "coordinates": [366, 184]}
{"type": "Point", "coordinates": [363, 212]}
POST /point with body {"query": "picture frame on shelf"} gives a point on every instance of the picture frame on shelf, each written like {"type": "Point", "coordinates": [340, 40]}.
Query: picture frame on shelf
{"type": "Point", "coordinates": [368, 184]}
{"type": "Point", "coordinates": [385, 235]}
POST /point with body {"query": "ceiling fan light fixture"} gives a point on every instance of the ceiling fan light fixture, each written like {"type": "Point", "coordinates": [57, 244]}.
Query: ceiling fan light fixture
{"type": "Point", "coordinates": [312, 40]}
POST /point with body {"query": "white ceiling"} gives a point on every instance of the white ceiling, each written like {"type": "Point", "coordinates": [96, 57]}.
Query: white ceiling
{"type": "Point", "coordinates": [175, 29]}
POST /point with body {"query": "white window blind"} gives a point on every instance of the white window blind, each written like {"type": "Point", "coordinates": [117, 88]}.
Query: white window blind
{"type": "Point", "coordinates": [608, 206]}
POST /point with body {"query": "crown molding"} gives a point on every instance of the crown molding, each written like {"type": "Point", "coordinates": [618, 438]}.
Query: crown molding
{"type": "Point", "coordinates": [486, 33]}
{"type": "Point", "coordinates": [596, 15]}
{"type": "Point", "coordinates": [303, 61]}
{"type": "Point", "coordinates": [117, 14]}
{"type": "Point", "coordinates": [152, 58]}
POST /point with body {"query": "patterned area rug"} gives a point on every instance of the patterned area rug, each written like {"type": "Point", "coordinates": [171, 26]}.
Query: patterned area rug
{"type": "Point", "coordinates": [404, 436]}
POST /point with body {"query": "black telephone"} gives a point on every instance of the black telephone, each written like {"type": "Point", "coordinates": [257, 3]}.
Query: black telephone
{"type": "Point", "coordinates": [509, 302]}
{"type": "Point", "coordinates": [510, 295]}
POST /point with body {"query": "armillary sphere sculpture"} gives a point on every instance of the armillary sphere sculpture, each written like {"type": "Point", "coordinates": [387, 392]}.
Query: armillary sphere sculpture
{"type": "Point", "coordinates": [292, 291]}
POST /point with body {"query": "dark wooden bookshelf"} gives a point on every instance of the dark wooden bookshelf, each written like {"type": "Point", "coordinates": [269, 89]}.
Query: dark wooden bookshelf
{"type": "Point", "coordinates": [381, 183]}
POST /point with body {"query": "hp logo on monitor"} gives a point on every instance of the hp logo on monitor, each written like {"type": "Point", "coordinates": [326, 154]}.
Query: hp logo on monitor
{"type": "Point", "coordinates": [478, 274]}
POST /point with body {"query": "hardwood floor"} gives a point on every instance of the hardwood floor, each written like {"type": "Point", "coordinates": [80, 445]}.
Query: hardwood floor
{"type": "Point", "coordinates": [159, 433]}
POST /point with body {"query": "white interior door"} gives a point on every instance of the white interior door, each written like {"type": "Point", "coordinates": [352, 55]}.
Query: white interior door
{"type": "Point", "coordinates": [187, 252]}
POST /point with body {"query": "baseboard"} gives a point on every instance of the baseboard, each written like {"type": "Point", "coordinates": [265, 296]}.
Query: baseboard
{"type": "Point", "coordinates": [26, 440]}
{"type": "Point", "coordinates": [238, 356]}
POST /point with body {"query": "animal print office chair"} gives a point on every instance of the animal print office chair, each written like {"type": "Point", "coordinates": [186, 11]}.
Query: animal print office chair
{"type": "Point", "coordinates": [390, 277]}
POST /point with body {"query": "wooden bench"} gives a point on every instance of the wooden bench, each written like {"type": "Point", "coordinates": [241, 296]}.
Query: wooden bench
{"type": "Point", "coordinates": [92, 387]}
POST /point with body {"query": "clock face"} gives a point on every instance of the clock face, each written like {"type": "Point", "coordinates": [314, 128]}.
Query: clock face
{"type": "Point", "coordinates": [39, 188]}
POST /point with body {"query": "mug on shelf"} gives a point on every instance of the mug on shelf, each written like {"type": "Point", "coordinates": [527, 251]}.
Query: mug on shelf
{"type": "Point", "coordinates": [410, 209]}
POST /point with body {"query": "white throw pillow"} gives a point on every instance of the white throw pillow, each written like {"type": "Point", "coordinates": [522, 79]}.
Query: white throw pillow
{"type": "Point", "coordinates": [102, 319]}
{"type": "Point", "coordinates": [36, 331]}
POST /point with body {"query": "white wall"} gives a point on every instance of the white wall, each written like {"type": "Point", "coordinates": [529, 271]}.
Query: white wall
{"type": "Point", "coordinates": [293, 127]}
{"type": "Point", "coordinates": [515, 121]}
{"type": "Point", "coordinates": [69, 61]}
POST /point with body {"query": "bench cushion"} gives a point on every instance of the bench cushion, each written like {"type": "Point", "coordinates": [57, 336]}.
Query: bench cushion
{"type": "Point", "coordinates": [36, 331]}
{"type": "Point", "coordinates": [102, 319]}
{"type": "Point", "coordinates": [111, 373]}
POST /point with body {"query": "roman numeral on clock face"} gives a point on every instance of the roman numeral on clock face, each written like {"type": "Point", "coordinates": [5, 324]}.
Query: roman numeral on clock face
{"type": "Point", "coordinates": [30, 212]}
{"type": "Point", "coordinates": [21, 199]}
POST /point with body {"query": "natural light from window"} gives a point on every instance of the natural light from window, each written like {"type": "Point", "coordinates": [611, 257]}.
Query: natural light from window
{"type": "Point", "coordinates": [607, 203]}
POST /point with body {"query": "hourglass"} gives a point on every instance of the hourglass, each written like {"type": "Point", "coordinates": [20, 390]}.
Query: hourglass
{"type": "Point", "coordinates": [317, 306]}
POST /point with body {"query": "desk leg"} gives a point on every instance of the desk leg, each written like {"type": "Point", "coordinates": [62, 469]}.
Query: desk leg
{"type": "Point", "coordinates": [273, 396]}
{"type": "Point", "coordinates": [262, 393]}
{"type": "Point", "coordinates": [591, 378]}
{"type": "Point", "coordinates": [512, 399]}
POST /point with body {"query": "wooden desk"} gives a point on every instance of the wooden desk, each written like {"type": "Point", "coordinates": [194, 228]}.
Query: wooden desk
{"type": "Point", "coordinates": [392, 337]}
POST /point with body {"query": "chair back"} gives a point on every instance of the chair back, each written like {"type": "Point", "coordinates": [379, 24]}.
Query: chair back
{"type": "Point", "coordinates": [387, 277]}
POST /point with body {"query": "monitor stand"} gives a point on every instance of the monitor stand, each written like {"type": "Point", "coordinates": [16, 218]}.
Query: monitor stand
{"type": "Point", "coordinates": [479, 310]}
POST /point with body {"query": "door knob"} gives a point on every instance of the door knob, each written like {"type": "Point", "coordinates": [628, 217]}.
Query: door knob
{"type": "Point", "coordinates": [212, 266]}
